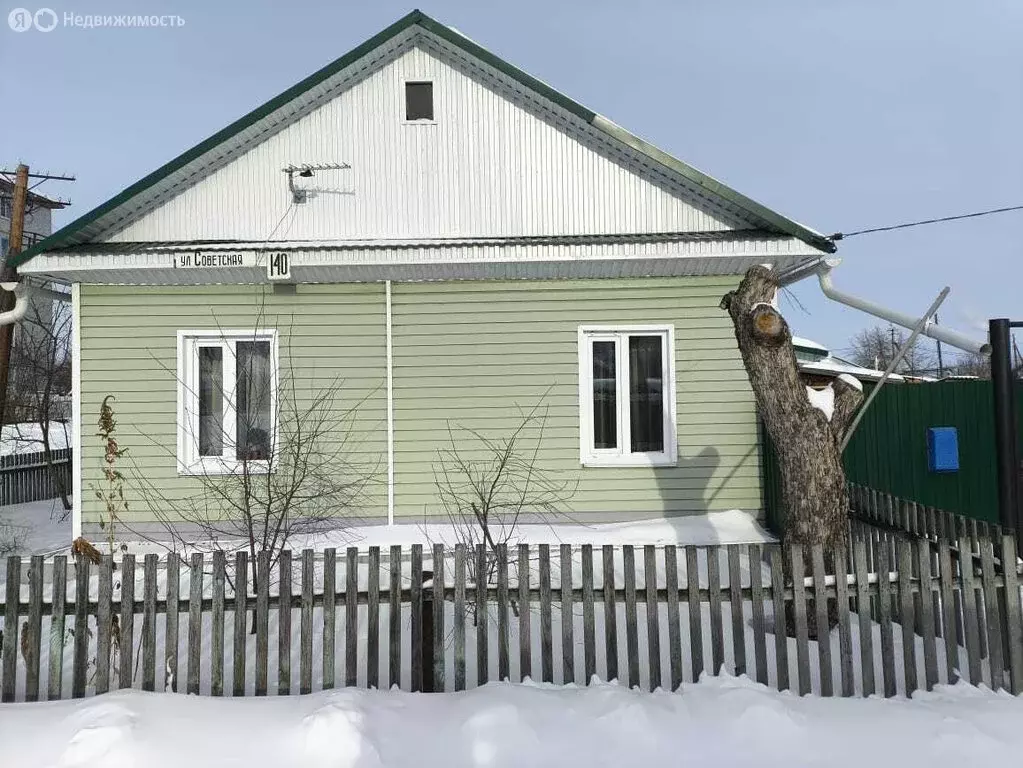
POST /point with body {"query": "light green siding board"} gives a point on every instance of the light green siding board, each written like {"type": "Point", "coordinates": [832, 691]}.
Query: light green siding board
{"type": "Point", "coordinates": [129, 349]}
{"type": "Point", "coordinates": [470, 353]}
{"type": "Point", "coordinates": [463, 352]}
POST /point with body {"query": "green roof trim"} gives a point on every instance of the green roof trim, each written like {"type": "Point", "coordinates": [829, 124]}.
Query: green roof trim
{"type": "Point", "coordinates": [65, 236]}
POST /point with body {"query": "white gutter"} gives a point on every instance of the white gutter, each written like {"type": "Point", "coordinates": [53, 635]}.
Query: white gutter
{"type": "Point", "coordinates": [822, 268]}
{"type": "Point", "coordinates": [21, 292]}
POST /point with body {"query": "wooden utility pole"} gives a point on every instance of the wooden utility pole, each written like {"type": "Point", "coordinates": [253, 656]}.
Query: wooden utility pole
{"type": "Point", "coordinates": [10, 274]}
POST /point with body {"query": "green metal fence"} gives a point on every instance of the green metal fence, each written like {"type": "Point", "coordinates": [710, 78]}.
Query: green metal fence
{"type": "Point", "coordinates": [889, 450]}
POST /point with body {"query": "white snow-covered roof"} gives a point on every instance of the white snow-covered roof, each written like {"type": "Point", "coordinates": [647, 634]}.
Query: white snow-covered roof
{"type": "Point", "coordinates": [799, 341]}
{"type": "Point", "coordinates": [835, 366]}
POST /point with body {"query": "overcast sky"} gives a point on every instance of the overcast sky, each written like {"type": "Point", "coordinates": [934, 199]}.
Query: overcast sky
{"type": "Point", "coordinates": [841, 115]}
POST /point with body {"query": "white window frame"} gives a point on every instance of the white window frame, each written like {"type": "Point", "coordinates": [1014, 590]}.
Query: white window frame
{"type": "Point", "coordinates": [623, 456]}
{"type": "Point", "coordinates": [189, 343]}
{"type": "Point", "coordinates": [401, 95]}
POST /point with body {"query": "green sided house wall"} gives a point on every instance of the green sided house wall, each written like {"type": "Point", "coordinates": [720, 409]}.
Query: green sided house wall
{"type": "Point", "coordinates": [129, 350]}
{"type": "Point", "coordinates": [469, 355]}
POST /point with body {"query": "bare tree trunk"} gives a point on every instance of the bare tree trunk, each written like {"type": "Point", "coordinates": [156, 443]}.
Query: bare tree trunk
{"type": "Point", "coordinates": [807, 442]}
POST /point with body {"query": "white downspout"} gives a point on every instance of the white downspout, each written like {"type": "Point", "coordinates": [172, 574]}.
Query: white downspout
{"type": "Point", "coordinates": [390, 403]}
{"type": "Point", "coordinates": [930, 328]}
{"type": "Point", "coordinates": [22, 292]}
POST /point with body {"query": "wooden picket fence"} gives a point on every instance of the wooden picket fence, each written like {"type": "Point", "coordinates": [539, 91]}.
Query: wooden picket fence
{"type": "Point", "coordinates": [651, 616]}
{"type": "Point", "coordinates": [28, 477]}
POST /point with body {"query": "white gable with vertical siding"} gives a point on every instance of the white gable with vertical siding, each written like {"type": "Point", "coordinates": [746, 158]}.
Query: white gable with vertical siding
{"type": "Point", "coordinates": [509, 179]}
{"type": "Point", "coordinates": [486, 166]}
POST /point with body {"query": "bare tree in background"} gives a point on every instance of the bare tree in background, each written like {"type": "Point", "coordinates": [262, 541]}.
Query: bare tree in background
{"type": "Point", "coordinates": [875, 347]}
{"type": "Point", "coordinates": [291, 469]}
{"type": "Point", "coordinates": [972, 364]}
{"type": "Point", "coordinates": [487, 485]}
{"type": "Point", "coordinates": [39, 397]}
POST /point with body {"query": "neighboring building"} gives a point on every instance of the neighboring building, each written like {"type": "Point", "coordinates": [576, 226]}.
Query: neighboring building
{"type": "Point", "coordinates": [35, 331]}
{"type": "Point", "coordinates": [464, 242]}
{"type": "Point", "coordinates": [38, 216]}
{"type": "Point", "coordinates": [819, 366]}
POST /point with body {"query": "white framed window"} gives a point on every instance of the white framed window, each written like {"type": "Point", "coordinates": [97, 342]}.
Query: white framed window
{"type": "Point", "coordinates": [417, 102]}
{"type": "Point", "coordinates": [227, 401]}
{"type": "Point", "coordinates": [627, 395]}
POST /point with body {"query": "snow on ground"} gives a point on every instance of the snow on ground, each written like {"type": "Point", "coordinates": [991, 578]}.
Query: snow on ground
{"type": "Point", "coordinates": [37, 526]}
{"type": "Point", "coordinates": [731, 527]}
{"type": "Point", "coordinates": [721, 721]}
{"type": "Point", "coordinates": [28, 438]}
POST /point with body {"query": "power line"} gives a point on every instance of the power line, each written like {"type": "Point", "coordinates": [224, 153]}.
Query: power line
{"type": "Point", "coordinates": [842, 235]}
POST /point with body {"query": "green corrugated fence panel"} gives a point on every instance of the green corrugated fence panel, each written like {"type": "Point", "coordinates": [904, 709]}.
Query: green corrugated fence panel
{"type": "Point", "coordinates": [889, 450]}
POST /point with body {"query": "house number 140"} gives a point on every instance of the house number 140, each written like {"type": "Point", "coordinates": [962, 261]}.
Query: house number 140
{"type": "Point", "coordinates": [278, 266]}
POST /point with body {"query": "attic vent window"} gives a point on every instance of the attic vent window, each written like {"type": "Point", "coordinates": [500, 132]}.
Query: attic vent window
{"type": "Point", "coordinates": [419, 101]}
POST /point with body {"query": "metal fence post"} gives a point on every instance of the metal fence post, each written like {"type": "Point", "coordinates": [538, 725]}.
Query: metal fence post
{"type": "Point", "coordinates": [1006, 460]}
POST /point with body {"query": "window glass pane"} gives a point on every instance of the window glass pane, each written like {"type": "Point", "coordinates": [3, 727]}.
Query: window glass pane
{"type": "Point", "coordinates": [211, 401]}
{"type": "Point", "coordinates": [605, 396]}
{"type": "Point", "coordinates": [253, 430]}
{"type": "Point", "coordinates": [646, 385]}
{"type": "Point", "coordinates": [419, 101]}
